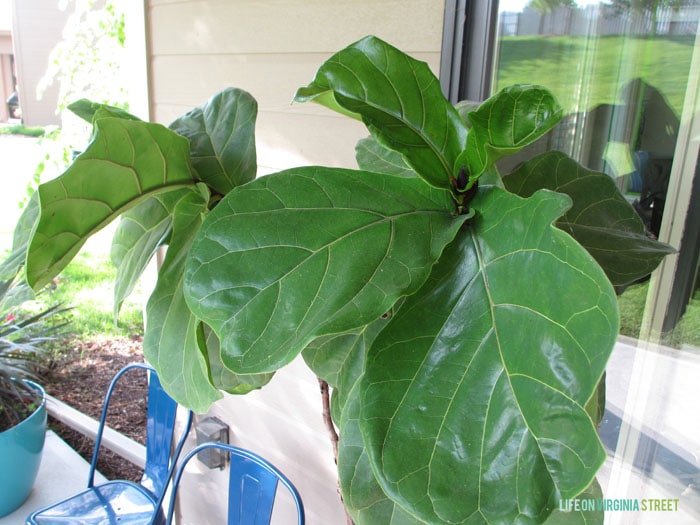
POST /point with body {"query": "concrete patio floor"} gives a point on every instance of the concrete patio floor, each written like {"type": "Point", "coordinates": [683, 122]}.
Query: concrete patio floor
{"type": "Point", "coordinates": [651, 432]}
{"type": "Point", "coordinates": [63, 472]}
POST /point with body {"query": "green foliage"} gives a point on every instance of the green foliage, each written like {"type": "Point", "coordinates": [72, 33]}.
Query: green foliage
{"type": "Point", "coordinates": [89, 60]}
{"type": "Point", "coordinates": [662, 61]}
{"type": "Point", "coordinates": [25, 338]}
{"type": "Point", "coordinates": [87, 284]}
{"type": "Point", "coordinates": [600, 219]}
{"type": "Point", "coordinates": [549, 6]}
{"type": "Point", "coordinates": [462, 328]}
{"type": "Point", "coordinates": [29, 131]}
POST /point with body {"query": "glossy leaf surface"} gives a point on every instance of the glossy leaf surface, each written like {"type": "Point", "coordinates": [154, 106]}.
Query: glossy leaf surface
{"type": "Point", "coordinates": [473, 395]}
{"type": "Point", "coordinates": [126, 162]}
{"type": "Point", "coordinates": [222, 139]}
{"type": "Point", "coordinates": [310, 252]}
{"type": "Point", "coordinates": [362, 495]}
{"type": "Point", "coordinates": [170, 342]}
{"type": "Point", "coordinates": [601, 219]}
{"type": "Point", "coordinates": [400, 101]}
{"type": "Point", "coordinates": [505, 123]}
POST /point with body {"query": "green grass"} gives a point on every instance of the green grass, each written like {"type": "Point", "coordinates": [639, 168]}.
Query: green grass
{"type": "Point", "coordinates": [86, 285]}
{"type": "Point", "coordinates": [632, 303]}
{"type": "Point", "coordinates": [20, 129]}
{"type": "Point", "coordinates": [586, 72]}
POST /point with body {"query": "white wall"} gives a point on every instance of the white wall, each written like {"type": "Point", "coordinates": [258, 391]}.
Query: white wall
{"type": "Point", "coordinates": [270, 48]}
{"type": "Point", "coordinates": [37, 28]}
{"type": "Point", "coordinates": [282, 422]}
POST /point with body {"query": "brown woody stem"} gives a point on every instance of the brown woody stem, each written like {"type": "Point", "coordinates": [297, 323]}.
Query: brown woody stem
{"type": "Point", "coordinates": [332, 433]}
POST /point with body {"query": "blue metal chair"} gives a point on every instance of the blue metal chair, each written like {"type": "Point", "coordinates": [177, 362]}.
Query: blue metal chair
{"type": "Point", "coordinates": [252, 486]}
{"type": "Point", "coordinates": [119, 501]}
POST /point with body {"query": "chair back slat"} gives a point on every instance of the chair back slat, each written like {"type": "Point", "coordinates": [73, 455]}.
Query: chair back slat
{"type": "Point", "coordinates": [252, 502]}
{"type": "Point", "coordinates": [253, 483]}
{"type": "Point", "coordinates": [160, 423]}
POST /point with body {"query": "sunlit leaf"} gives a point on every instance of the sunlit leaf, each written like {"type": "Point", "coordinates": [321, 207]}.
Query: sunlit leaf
{"type": "Point", "coordinates": [310, 252]}
{"type": "Point", "coordinates": [473, 395]}
{"type": "Point", "coordinates": [126, 162]}
{"type": "Point", "coordinates": [507, 122]}
{"type": "Point", "coordinates": [399, 99]}
{"type": "Point", "coordinates": [88, 110]}
{"type": "Point", "coordinates": [222, 139]}
{"type": "Point", "coordinates": [170, 343]}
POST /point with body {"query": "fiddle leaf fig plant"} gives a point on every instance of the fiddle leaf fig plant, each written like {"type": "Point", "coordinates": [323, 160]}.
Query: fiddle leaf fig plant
{"type": "Point", "coordinates": [458, 314]}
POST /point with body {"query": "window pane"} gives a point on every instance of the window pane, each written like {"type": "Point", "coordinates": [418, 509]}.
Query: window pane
{"type": "Point", "coordinates": [625, 72]}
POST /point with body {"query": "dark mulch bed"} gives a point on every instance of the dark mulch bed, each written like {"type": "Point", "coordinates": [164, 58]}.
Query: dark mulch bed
{"type": "Point", "coordinates": [80, 378]}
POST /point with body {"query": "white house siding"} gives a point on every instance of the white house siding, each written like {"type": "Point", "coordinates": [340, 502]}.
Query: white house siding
{"type": "Point", "coordinates": [270, 48]}
{"type": "Point", "coordinates": [6, 84]}
{"type": "Point", "coordinates": [37, 28]}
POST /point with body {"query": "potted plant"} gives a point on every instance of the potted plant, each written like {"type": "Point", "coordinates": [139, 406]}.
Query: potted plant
{"type": "Point", "coordinates": [463, 317]}
{"type": "Point", "coordinates": [24, 338]}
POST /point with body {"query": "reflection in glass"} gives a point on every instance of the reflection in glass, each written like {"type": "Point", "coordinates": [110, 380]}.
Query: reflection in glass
{"type": "Point", "coordinates": [621, 69]}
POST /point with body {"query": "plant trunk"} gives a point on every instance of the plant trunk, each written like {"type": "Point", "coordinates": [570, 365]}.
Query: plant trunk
{"type": "Point", "coordinates": [332, 434]}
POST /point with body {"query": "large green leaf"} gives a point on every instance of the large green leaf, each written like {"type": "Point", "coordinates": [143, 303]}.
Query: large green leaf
{"type": "Point", "coordinates": [400, 101]}
{"type": "Point", "coordinates": [222, 377]}
{"type": "Point", "coordinates": [505, 123]}
{"type": "Point", "coordinates": [339, 360]}
{"type": "Point", "coordinates": [600, 219]}
{"type": "Point", "coordinates": [12, 264]}
{"type": "Point", "coordinates": [222, 139]}
{"type": "Point", "coordinates": [372, 156]}
{"type": "Point", "coordinates": [126, 162]}
{"type": "Point", "coordinates": [363, 497]}
{"type": "Point", "coordinates": [89, 110]}
{"type": "Point", "coordinates": [310, 252]}
{"type": "Point", "coordinates": [141, 231]}
{"type": "Point", "coordinates": [473, 395]}
{"type": "Point", "coordinates": [170, 343]}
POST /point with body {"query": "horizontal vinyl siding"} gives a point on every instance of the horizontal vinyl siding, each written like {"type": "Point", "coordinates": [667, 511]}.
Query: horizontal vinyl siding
{"type": "Point", "coordinates": [291, 26]}
{"type": "Point", "coordinates": [270, 48]}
